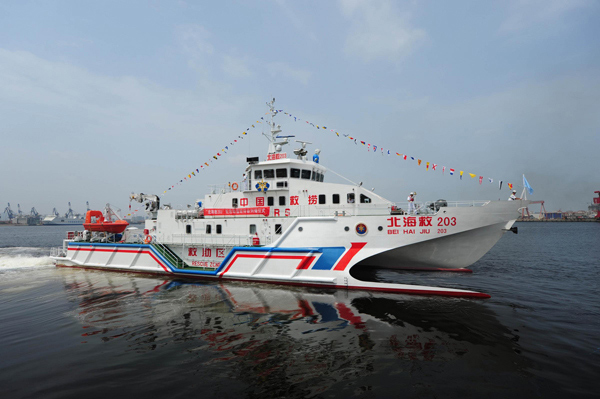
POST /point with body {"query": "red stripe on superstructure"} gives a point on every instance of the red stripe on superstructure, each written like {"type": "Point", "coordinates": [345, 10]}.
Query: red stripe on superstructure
{"type": "Point", "coordinates": [128, 251]}
{"type": "Point", "coordinates": [158, 261]}
{"type": "Point", "coordinates": [356, 246]}
{"type": "Point", "coordinates": [305, 261]}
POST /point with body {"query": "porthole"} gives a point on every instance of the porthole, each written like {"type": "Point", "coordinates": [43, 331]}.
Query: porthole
{"type": "Point", "coordinates": [380, 228]}
{"type": "Point", "coordinates": [299, 228]}
{"type": "Point", "coordinates": [346, 228]}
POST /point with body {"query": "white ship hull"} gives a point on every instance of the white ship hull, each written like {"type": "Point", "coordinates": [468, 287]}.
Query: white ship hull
{"type": "Point", "coordinates": [61, 220]}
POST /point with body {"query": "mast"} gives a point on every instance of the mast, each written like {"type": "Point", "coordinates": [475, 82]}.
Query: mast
{"type": "Point", "coordinates": [274, 145]}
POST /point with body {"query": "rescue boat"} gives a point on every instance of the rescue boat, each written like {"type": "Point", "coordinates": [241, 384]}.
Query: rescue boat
{"type": "Point", "coordinates": [95, 221]}
{"type": "Point", "coordinates": [285, 224]}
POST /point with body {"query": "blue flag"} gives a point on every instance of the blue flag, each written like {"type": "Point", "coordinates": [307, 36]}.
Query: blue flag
{"type": "Point", "coordinates": [527, 186]}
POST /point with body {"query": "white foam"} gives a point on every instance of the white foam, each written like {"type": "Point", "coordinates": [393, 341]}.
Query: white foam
{"type": "Point", "coordinates": [24, 257]}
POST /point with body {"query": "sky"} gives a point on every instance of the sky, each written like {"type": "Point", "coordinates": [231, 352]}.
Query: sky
{"type": "Point", "coordinates": [102, 99]}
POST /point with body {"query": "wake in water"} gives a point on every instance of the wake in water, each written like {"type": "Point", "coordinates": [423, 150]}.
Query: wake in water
{"type": "Point", "coordinates": [24, 257]}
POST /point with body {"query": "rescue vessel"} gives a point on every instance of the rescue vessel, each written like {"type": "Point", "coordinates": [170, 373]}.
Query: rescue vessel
{"type": "Point", "coordinates": [285, 224]}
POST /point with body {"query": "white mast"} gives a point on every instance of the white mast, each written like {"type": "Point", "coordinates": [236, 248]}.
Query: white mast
{"type": "Point", "coordinates": [274, 145]}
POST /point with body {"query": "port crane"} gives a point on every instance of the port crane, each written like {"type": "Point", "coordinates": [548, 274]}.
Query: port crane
{"type": "Point", "coordinates": [9, 212]}
{"type": "Point", "coordinates": [69, 212]}
{"type": "Point", "coordinates": [34, 212]}
{"type": "Point", "coordinates": [19, 211]}
{"type": "Point", "coordinates": [525, 211]}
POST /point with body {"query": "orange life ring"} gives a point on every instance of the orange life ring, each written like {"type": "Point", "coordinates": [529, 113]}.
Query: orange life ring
{"type": "Point", "coordinates": [147, 239]}
{"type": "Point", "coordinates": [234, 186]}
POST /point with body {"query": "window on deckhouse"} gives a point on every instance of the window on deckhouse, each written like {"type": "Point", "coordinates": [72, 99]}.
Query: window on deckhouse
{"type": "Point", "coordinates": [258, 174]}
{"type": "Point", "coordinates": [322, 199]}
{"type": "Point", "coordinates": [295, 173]}
{"type": "Point", "coordinates": [335, 198]}
{"type": "Point", "coordinates": [269, 174]}
{"type": "Point", "coordinates": [364, 199]}
{"type": "Point", "coordinates": [281, 172]}
{"type": "Point", "coordinates": [306, 174]}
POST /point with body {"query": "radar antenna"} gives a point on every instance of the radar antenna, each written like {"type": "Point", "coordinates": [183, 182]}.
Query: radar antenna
{"type": "Point", "coordinates": [301, 152]}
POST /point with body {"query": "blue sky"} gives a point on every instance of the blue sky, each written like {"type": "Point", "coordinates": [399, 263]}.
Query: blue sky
{"type": "Point", "coordinates": [99, 99]}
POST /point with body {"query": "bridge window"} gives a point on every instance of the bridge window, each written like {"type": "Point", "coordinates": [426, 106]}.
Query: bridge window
{"type": "Point", "coordinates": [278, 229]}
{"type": "Point", "coordinates": [350, 198]}
{"type": "Point", "coordinates": [281, 172]}
{"type": "Point", "coordinates": [295, 173]}
{"type": "Point", "coordinates": [364, 199]}
{"type": "Point", "coordinates": [314, 176]}
{"type": "Point", "coordinates": [322, 199]}
{"type": "Point", "coordinates": [306, 174]}
{"type": "Point", "coordinates": [282, 184]}
{"type": "Point", "coordinates": [322, 177]}
{"type": "Point", "coordinates": [258, 174]}
{"type": "Point", "coordinates": [269, 174]}
{"type": "Point", "coordinates": [335, 198]}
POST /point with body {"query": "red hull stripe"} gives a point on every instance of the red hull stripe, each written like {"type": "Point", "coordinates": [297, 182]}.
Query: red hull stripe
{"type": "Point", "coordinates": [356, 246]}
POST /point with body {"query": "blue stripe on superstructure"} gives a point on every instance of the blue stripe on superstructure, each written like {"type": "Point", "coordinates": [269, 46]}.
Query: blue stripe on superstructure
{"type": "Point", "coordinates": [329, 256]}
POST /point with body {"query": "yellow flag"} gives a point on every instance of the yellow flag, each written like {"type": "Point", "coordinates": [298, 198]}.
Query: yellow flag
{"type": "Point", "coordinates": [472, 175]}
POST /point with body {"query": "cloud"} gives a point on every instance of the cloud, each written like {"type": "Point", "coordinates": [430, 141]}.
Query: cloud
{"type": "Point", "coordinates": [236, 67]}
{"type": "Point", "coordinates": [59, 119]}
{"type": "Point", "coordinates": [194, 40]}
{"type": "Point", "coordinates": [524, 14]}
{"type": "Point", "coordinates": [282, 69]}
{"type": "Point", "coordinates": [379, 31]}
{"type": "Point", "coordinates": [292, 16]}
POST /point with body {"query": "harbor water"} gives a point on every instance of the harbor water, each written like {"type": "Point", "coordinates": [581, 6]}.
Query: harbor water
{"type": "Point", "coordinates": [75, 333]}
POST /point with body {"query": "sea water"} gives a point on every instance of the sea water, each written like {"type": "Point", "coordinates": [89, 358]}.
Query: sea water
{"type": "Point", "coordinates": [83, 333]}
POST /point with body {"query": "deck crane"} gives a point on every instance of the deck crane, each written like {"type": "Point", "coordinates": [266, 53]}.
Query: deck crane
{"type": "Point", "coordinates": [9, 212]}
{"type": "Point", "coordinates": [152, 201]}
